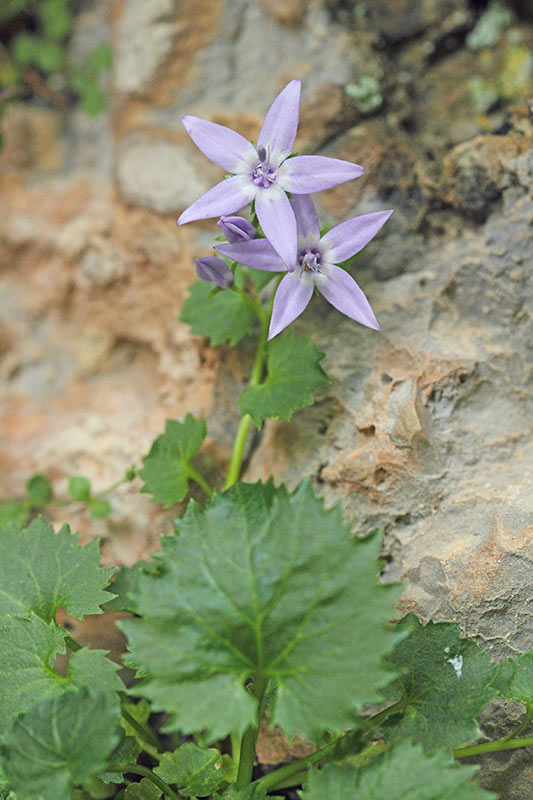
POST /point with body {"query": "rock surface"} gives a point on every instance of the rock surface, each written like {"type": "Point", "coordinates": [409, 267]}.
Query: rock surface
{"type": "Point", "coordinates": [426, 429]}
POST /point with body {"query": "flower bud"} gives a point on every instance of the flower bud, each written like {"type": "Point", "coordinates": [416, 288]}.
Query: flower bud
{"type": "Point", "coordinates": [215, 271]}
{"type": "Point", "coordinates": [237, 229]}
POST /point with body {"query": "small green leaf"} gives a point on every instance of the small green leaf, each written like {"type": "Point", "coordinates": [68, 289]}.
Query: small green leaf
{"type": "Point", "coordinates": [126, 752]}
{"type": "Point", "coordinates": [260, 278]}
{"type": "Point", "coordinates": [79, 488]}
{"type": "Point", "coordinates": [446, 681]}
{"type": "Point", "coordinates": [224, 317]}
{"type": "Point", "coordinates": [266, 585]}
{"type": "Point", "coordinates": [41, 570]}
{"type": "Point", "coordinates": [59, 744]}
{"type": "Point", "coordinates": [294, 375]}
{"type": "Point", "coordinates": [56, 18]}
{"type": "Point", "coordinates": [93, 100]}
{"type": "Point", "coordinates": [29, 49]}
{"type": "Point", "coordinates": [13, 514]}
{"type": "Point", "coordinates": [29, 650]}
{"type": "Point", "coordinates": [131, 473]}
{"type": "Point", "coordinates": [515, 679]}
{"type": "Point", "coordinates": [24, 48]}
{"type": "Point", "coordinates": [100, 58]}
{"type": "Point", "coordinates": [10, 8]}
{"type": "Point", "coordinates": [39, 491]}
{"type": "Point", "coordinates": [404, 773]}
{"type": "Point", "coordinates": [144, 790]}
{"type": "Point", "coordinates": [166, 467]}
{"type": "Point", "coordinates": [100, 509]}
{"type": "Point", "coordinates": [195, 772]}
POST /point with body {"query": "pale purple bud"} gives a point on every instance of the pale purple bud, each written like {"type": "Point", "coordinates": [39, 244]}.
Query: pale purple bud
{"type": "Point", "coordinates": [236, 229]}
{"type": "Point", "coordinates": [213, 270]}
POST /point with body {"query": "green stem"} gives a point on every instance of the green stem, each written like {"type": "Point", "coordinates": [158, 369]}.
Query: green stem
{"type": "Point", "coordinates": [249, 739]}
{"type": "Point", "coordinates": [136, 769]}
{"type": "Point", "coordinates": [110, 489]}
{"type": "Point", "coordinates": [278, 779]}
{"type": "Point", "coordinates": [492, 747]}
{"type": "Point", "coordinates": [528, 716]}
{"type": "Point", "coordinates": [200, 480]}
{"type": "Point", "coordinates": [244, 425]}
{"type": "Point", "coordinates": [146, 733]}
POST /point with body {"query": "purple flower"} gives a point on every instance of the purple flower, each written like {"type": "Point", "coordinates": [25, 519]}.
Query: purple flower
{"type": "Point", "coordinates": [264, 174]}
{"type": "Point", "coordinates": [213, 270]}
{"type": "Point", "coordinates": [315, 265]}
{"type": "Point", "coordinates": [237, 229]}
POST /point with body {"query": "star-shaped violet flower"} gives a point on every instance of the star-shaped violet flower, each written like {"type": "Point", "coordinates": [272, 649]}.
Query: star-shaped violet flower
{"type": "Point", "coordinates": [315, 265]}
{"type": "Point", "coordinates": [264, 173]}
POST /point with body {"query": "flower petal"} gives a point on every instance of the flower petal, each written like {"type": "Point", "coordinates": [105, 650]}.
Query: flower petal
{"type": "Point", "coordinates": [291, 299]}
{"type": "Point", "coordinates": [306, 216]}
{"type": "Point", "coordinates": [341, 291]}
{"type": "Point", "coordinates": [307, 174]}
{"type": "Point", "coordinates": [348, 238]}
{"type": "Point", "coordinates": [277, 220]}
{"type": "Point", "coordinates": [257, 253]}
{"type": "Point", "coordinates": [281, 121]}
{"type": "Point", "coordinates": [225, 147]}
{"type": "Point", "coordinates": [228, 196]}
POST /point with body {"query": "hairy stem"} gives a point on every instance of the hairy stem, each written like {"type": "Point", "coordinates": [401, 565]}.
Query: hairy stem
{"type": "Point", "coordinates": [200, 480]}
{"type": "Point", "coordinates": [147, 735]}
{"type": "Point", "coordinates": [249, 739]}
{"type": "Point", "coordinates": [136, 769]}
{"type": "Point", "coordinates": [492, 747]}
{"type": "Point", "coordinates": [278, 779]}
{"type": "Point", "coordinates": [244, 425]}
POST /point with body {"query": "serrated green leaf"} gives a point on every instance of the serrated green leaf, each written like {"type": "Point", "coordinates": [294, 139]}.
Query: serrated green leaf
{"type": "Point", "coordinates": [144, 790]}
{"type": "Point", "coordinates": [56, 18]}
{"type": "Point", "coordinates": [125, 585]}
{"type": "Point", "coordinates": [29, 650]}
{"type": "Point", "coordinates": [266, 585]}
{"type": "Point", "coordinates": [224, 317]}
{"type": "Point", "coordinates": [93, 669]}
{"type": "Point", "coordinates": [294, 375]}
{"type": "Point", "coordinates": [404, 773]}
{"type": "Point", "coordinates": [13, 514]}
{"type": "Point", "coordinates": [446, 683]}
{"type": "Point", "coordinates": [59, 744]}
{"type": "Point", "coordinates": [166, 469]}
{"type": "Point", "coordinates": [514, 678]}
{"type": "Point", "coordinates": [39, 490]}
{"type": "Point", "coordinates": [195, 772]}
{"type": "Point", "coordinates": [41, 570]}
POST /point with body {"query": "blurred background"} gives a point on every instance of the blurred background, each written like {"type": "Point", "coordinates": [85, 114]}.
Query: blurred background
{"type": "Point", "coordinates": [426, 428]}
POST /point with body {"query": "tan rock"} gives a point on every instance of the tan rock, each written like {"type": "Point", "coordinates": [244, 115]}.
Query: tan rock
{"type": "Point", "coordinates": [290, 12]}
{"type": "Point", "coordinates": [32, 139]}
